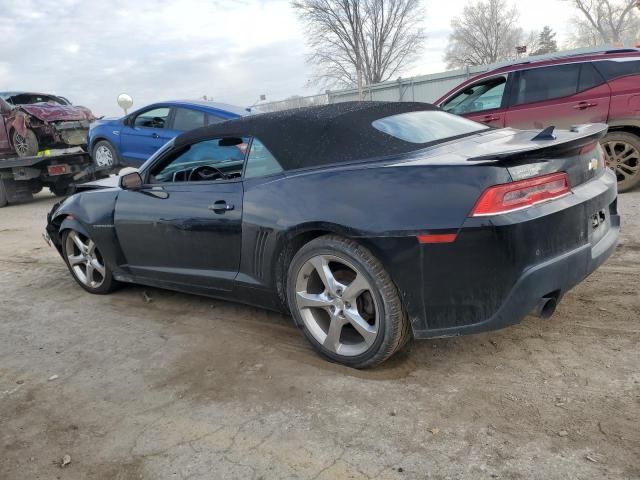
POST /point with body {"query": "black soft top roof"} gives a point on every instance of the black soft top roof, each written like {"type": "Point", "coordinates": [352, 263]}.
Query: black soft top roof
{"type": "Point", "coordinates": [314, 136]}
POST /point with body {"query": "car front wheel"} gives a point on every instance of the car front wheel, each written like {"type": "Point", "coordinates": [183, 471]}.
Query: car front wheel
{"type": "Point", "coordinates": [25, 145]}
{"type": "Point", "coordinates": [345, 302]}
{"type": "Point", "coordinates": [86, 263]}
{"type": "Point", "coordinates": [105, 155]}
{"type": "Point", "coordinates": [623, 154]}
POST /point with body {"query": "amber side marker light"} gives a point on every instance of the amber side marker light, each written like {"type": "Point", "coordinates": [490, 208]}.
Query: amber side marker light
{"type": "Point", "coordinates": [514, 196]}
{"type": "Point", "coordinates": [437, 237]}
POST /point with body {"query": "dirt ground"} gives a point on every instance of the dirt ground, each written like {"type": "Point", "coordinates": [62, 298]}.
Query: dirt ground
{"type": "Point", "coordinates": [150, 384]}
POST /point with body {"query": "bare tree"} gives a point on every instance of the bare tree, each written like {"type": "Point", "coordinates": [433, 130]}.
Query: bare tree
{"type": "Point", "coordinates": [605, 22]}
{"type": "Point", "coordinates": [357, 42]}
{"type": "Point", "coordinates": [486, 32]}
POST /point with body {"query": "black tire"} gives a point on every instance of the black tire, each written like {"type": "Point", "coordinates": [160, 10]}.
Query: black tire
{"type": "Point", "coordinates": [95, 152]}
{"type": "Point", "coordinates": [393, 329]}
{"type": "Point", "coordinates": [626, 167]}
{"type": "Point", "coordinates": [36, 187]}
{"type": "Point", "coordinates": [25, 145]}
{"type": "Point", "coordinates": [4, 201]}
{"type": "Point", "coordinates": [107, 283]}
{"type": "Point", "coordinates": [59, 190]}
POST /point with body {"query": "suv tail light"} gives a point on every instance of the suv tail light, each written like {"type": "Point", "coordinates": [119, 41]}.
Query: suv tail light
{"type": "Point", "coordinates": [510, 197]}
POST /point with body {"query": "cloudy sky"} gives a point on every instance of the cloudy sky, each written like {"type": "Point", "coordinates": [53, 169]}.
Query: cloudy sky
{"type": "Point", "coordinates": [154, 50]}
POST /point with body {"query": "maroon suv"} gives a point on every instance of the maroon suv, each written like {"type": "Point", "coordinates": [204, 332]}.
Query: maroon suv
{"type": "Point", "coordinates": [601, 87]}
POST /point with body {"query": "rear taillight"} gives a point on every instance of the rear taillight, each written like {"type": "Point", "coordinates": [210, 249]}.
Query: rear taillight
{"type": "Point", "coordinates": [510, 197]}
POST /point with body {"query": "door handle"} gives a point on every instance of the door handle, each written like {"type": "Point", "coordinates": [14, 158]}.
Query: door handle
{"type": "Point", "coordinates": [490, 118]}
{"type": "Point", "coordinates": [221, 206]}
{"type": "Point", "coordinates": [155, 135]}
{"type": "Point", "coordinates": [585, 105]}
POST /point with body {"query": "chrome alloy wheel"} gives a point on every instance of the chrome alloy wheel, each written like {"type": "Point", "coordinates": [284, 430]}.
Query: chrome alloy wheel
{"type": "Point", "coordinates": [20, 144]}
{"type": "Point", "coordinates": [337, 305]}
{"type": "Point", "coordinates": [85, 260]}
{"type": "Point", "coordinates": [104, 156]}
{"type": "Point", "coordinates": [624, 159]}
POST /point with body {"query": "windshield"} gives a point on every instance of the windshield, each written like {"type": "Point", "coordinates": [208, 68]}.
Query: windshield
{"type": "Point", "coordinates": [426, 126]}
{"type": "Point", "coordinates": [33, 99]}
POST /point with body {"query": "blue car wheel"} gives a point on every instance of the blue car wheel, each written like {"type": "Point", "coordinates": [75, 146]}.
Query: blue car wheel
{"type": "Point", "coordinates": [105, 155]}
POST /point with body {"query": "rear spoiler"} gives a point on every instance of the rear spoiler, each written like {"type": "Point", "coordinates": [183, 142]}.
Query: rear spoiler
{"type": "Point", "coordinates": [545, 144]}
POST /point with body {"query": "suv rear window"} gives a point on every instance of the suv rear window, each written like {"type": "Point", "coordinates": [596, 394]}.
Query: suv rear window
{"type": "Point", "coordinates": [539, 84]}
{"type": "Point", "coordinates": [548, 83]}
{"type": "Point", "coordinates": [426, 126]}
{"type": "Point", "coordinates": [611, 69]}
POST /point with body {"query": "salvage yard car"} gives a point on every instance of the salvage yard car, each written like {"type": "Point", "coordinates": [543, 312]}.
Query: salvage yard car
{"type": "Point", "coordinates": [595, 87]}
{"type": "Point", "coordinates": [131, 140]}
{"type": "Point", "coordinates": [371, 223]}
{"type": "Point", "coordinates": [31, 122]}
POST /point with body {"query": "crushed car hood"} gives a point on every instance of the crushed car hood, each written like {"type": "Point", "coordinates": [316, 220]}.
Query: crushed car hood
{"type": "Point", "coordinates": [52, 113]}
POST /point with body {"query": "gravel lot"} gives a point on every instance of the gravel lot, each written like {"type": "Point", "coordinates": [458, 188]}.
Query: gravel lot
{"type": "Point", "coordinates": [186, 387]}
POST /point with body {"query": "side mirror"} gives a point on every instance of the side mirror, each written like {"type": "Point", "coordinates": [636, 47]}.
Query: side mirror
{"type": "Point", "coordinates": [131, 181]}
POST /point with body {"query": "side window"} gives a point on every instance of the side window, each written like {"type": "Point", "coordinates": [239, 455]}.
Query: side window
{"type": "Point", "coordinates": [260, 161]}
{"type": "Point", "coordinates": [156, 118]}
{"type": "Point", "coordinates": [215, 159]}
{"type": "Point", "coordinates": [589, 77]}
{"type": "Point", "coordinates": [186, 119]}
{"type": "Point", "coordinates": [546, 83]}
{"type": "Point", "coordinates": [477, 98]}
{"type": "Point", "coordinates": [611, 69]}
{"type": "Point", "coordinates": [213, 119]}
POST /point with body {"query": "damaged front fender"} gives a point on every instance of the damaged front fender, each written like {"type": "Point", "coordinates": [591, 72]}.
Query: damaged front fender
{"type": "Point", "coordinates": [91, 214]}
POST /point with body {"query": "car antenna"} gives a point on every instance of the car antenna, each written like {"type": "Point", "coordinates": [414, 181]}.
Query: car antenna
{"type": "Point", "coordinates": [546, 134]}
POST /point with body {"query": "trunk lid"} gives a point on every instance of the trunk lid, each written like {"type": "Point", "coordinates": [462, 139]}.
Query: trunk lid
{"type": "Point", "coordinates": [576, 152]}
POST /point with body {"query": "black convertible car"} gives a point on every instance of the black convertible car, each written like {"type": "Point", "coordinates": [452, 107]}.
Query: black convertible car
{"type": "Point", "coordinates": [372, 223]}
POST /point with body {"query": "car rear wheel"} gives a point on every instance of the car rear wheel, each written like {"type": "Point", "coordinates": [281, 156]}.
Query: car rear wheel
{"type": "Point", "coordinates": [86, 263]}
{"type": "Point", "coordinates": [623, 154]}
{"type": "Point", "coordinates": [105, 155]}
{"type": "Point", "coordinates": [25, 145]}
{"type": "Point", "coordinates": [345, 302]}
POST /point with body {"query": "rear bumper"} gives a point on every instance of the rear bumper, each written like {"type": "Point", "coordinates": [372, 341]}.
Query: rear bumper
{"type": "Point", "coordinates": [498, 269]}
{"type": "Point", "coordinates": [558, 274]}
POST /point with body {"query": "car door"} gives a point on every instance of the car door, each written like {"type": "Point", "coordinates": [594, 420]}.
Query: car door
{"type": "Point", "coordinates": [558, 95]}
{"type": "Point", "coordinates": [181, 228]}
{"type": "Point", "coordinates": [483, 101]}
{"type": "Point", "coordinates": [144, 133]}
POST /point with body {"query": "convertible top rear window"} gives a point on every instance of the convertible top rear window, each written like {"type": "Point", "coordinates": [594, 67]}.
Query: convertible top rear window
{"type": "Point", "coordinates": [426, 126]}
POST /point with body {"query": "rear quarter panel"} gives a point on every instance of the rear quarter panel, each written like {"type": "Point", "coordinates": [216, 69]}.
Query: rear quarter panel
{"type": "Point", "coordinates": [625, 101]}
{"type": "Point", "coordinates": [383, 207]}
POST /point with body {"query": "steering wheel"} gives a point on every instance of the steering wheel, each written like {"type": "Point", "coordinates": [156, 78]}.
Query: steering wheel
{"type": "Point", "coordinates": [205, 172]}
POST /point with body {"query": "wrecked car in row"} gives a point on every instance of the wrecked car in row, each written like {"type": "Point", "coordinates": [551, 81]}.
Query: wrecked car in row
{"type": "Point", "coordinates": [30, 123]}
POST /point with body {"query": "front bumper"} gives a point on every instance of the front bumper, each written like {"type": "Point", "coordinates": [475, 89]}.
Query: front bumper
{"type": "Point", "coordinates": [72, 132]}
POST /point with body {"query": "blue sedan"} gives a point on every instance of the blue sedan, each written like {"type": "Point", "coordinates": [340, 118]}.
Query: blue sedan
{"type": "Point", "coordinates": [130, 140]}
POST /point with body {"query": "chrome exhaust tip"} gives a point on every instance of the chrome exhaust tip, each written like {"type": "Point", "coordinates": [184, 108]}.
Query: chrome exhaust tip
{"type": "Point", "coordinates": [546, 307]}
